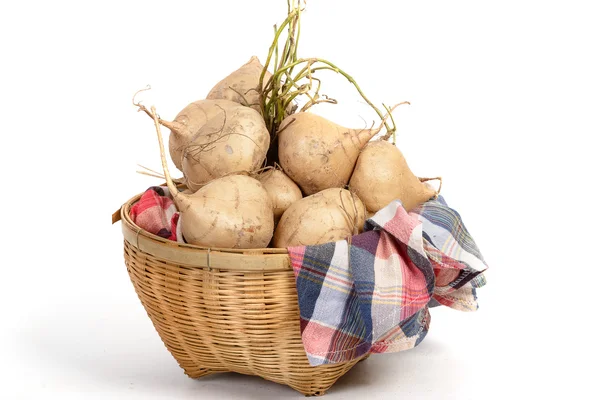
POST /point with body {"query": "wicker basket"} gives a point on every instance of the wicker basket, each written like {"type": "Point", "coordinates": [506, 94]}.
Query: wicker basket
{"type": "Point", "coordinates": [223, 310]}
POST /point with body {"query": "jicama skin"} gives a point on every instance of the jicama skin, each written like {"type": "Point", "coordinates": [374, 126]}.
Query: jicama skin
{"type": "Point", "coordinates": [330, 215]}
{"type": "Point", "coordinates": [234, 211]}
{"type": "Point", "coordinates": [188, 123]}
{"type": "Point", "coordinates": [242, 85]}
{"type": "Point", "coordinates": [317, 153]}
{"type": "Point", "coordinates": [233, 141]}
{"type": "Point", "coordinates": [282, 190]}
{"type": "Point", "coordinates": [230, 212]}
{"type": "Point", "coordinates": [382, 175]}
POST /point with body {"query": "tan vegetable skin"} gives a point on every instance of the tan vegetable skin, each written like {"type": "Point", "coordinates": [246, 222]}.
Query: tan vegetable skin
{"type": "Point", "coordinates": [317, 153]}
{"type": "Point", "coordinates": [234, 140]}
{"type": "Point", "coordinates": [241, 86]}
{"type": "Point", "coordinates": [188, 123]}
{"type": "Point", "coordinates": [282, 190]}
{"type": "Point", "coordinates": [230, 212]}
{"type": "Point", "coordinates": [382, 175]}
{"type": "Point", "coordinates": [327, 216]}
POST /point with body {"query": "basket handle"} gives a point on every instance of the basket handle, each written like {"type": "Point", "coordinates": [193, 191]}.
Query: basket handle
{"type": "Point", "coordinates": [116, 217]}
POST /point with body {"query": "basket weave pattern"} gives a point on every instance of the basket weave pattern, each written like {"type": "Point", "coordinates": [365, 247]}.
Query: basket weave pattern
{"type": "Point", "coordinates": [224, 311]}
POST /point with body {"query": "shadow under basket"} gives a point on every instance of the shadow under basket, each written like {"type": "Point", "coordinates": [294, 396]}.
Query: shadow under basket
{"type": "Point", "coordinates": [224, 310]}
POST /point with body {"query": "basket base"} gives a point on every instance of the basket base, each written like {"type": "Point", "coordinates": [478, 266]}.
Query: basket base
{"type": "Point", "coordinates": [201, 372]}
{"type": "Point", "coordinates": [219, 320]}
{"type": "Point", "coordinates": [310, 385]}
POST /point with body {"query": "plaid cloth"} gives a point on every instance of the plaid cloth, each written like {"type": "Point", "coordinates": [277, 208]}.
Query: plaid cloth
{"type": "Point", "coordinates": [156, 213]}
{"type": "Point", "coordinates": [454, 256]}
{"type": "Point", "coordinates": [371, 294]}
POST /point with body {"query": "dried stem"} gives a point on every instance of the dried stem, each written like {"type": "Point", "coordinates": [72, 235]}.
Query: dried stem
{"type": "Point", "coordinates": [351, 220]}
{"type": "Point", "coordinates": [437, 178]}
{"type": "Point", "coordinates": [173, 126]}
{"type": "Point", "coordinates": [151, 174]}
{"type": "Point", "coordinates": [156, 174]}
{"type": "Point", "coordinates": [389, 115]}
{"type": "Point", "coordinates": [179, 200]}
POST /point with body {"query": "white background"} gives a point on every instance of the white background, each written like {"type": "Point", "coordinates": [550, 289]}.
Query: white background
{"type": "Point", "coordinates": [505, 105]}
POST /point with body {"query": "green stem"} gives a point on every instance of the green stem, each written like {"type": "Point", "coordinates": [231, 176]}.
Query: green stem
{"type": "Point", "coordinates": [272, 48]}
{"type": "Point", "coordinates": [301, 75]}
{"type": "Point", "coordinates": [274, 84]}
{"type": "Point", "coordinates": [297, 40]}
{"type": "Point", "coordinates": [283, 87]}
{"type": "Point", "coordinates": [389, 111]}
{"type": "Point", "coordinates": [291, 42]}
{"type": "Point", "coordinates": [336, 69]}
{"type": "Point", "coordinates": [276, 46]}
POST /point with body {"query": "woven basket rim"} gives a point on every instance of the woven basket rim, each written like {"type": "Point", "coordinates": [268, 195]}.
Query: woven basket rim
{"type": "Point", "coordinates": [263, 259]}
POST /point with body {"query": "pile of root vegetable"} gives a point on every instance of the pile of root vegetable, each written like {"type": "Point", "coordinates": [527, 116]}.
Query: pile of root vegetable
{"type": "Point", "coordinates": [261, 169]}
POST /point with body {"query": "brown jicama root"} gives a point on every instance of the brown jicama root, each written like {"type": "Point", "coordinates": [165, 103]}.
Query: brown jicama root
{"type": "Point", "coordinates": [234, 140]}
{"type": "Point", "coordinates": [282, 190]}
{"type": "Point", "coordinates": [319, 154]}
{"type": "Point", "coordinates": [382, 175]}
{"type": "Point", "coordinates": [188, 123]}
{"type": "Point", "coordinates": [242, 85]}
{"type": "Point", "coordinates": [230, 212]}
{"type": "Point", "coordinates": [327, 216]}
